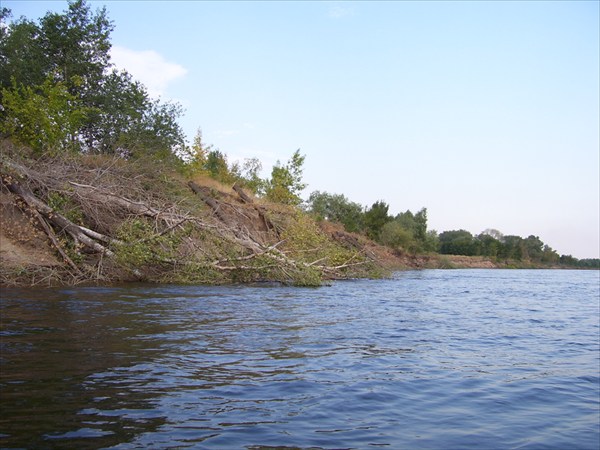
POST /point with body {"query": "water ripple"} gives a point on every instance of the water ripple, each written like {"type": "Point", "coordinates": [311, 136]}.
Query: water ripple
{"type": "Point", "coordinates": [428, 359]}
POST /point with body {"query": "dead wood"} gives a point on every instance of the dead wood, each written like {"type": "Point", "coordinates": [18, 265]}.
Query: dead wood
{"type": "Point", "coordinates": [48, 230]}
{"type": "Point", "coordinates": [60, 221]}
{"type": "Point", "coordinates": [246, 199]}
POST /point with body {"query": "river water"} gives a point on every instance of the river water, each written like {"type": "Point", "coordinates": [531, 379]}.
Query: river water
{"type": "Point", "coordinates": [502, 359]}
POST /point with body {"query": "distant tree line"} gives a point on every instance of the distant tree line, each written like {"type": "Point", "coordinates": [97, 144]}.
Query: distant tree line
{"type": "Point", "coordinates": [407, 232]}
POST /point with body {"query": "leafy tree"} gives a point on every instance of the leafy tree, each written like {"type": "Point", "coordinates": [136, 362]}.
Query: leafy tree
{"type": "Point", "coordinates": [21, 56]}
{"type": "Point", "coordinates": [337, 208]}
{"type": "Point", "coordinates": [432, 241]}
{"type": "Point", "coordinates": [533, 248]}
{"type": "Point", "coordinates": [396, 236]}
{"type": "Point", "coordinates": [549, 256]}
{"type": "Point", "coordinates": [195, 156]}
{"type": "Point", "coordinates": [375, 218]}
{"type": "Point", "coordinates": [512, 248]}
{"type": "Point", "coordinates": [421, 225]}
{"type": "Point", "coordinates": [286, 183]}
{"type": "Point", "coordinates": [416, 225]}
{"type": "Point", "coordinates": [488, 245]}
{"type": "Point", "coordinates": [77, 43]}
{"type": "Point", "coordinates": [457, 242]}
{"type": "Point", "coordinates": [250, 176]}
{"type": "Point", "coordinates": [71, 50]}
{"type": "Point", "coordinates": [45, 118]}
{"type": "Point", "coordinates": [216, 166]}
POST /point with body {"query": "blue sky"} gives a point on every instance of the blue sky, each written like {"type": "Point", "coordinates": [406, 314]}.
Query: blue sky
{"type": "Point", "coordinates": [486, 113]}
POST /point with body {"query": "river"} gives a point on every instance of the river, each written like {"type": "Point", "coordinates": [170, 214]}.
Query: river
{"type": "Point", "coordinates": [434, 359]}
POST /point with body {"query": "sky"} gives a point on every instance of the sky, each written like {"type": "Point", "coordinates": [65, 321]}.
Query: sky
{"type": "Point", "coordinates": [484, 112]}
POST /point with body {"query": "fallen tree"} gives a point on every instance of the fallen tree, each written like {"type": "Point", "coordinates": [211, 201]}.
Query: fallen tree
{"type": "Point", "coordinates": [102, 221]}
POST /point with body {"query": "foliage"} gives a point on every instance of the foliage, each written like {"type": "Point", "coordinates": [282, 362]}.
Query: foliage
{"type": "Point", "coordinates": [337, 208]}
{"type": "Point", "coordinates": [375, 218]}
{"type": "Point", "coordinates": [396, 236]}
{"type": "Point", "coordinates": [308, 245]}
{"type": "Point", "coordinates": [140, 245]}
{"type": "Point", "coordinates": [46, 118]}
{"type": "Point", "coordinates": [250, 178]}
{"type": "Point", "coordinates": [493, 244]}
{"type": "Point", "coordinates": [286, 183]}
{"type": "Point", "coordinates": [457, 242]}
{"type": "Point", "coordinates": [62, 64]}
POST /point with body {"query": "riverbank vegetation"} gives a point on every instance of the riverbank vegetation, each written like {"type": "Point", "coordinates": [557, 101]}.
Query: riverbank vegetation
{"type": "Point", "coordinates": [99, 184]}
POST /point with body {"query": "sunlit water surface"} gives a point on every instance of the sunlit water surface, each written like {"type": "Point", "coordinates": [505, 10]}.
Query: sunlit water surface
{"type": "Point", "coordinates": [428, 359]}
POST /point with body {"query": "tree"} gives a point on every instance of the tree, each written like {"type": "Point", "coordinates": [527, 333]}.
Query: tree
{"type": "Point", "coordinates": [512, 248]}
{"type": "Point", "coordinates": [286, 183]}
{"type": "Point", "coordinates": [457, 242]}
{"type": "Point", "coordinates": [250, 176]}
{"type": "Point", "coordinates": [488, 245]}
{"type": "Point", "coordinates": [77, 43]}
{"type": "Point", "coordinates": [395, 236]}
{"type": "Point", "coordinates": [21, 56]}
{"type": "Point", "coordinates": [216, 165]}
{"type": "Point", "coordinates": [337, 208]}
{"type": "Point", "coordinates": [44, 118]}
{"type": "Point", "coordinates": [421, 225]}
{"type": "Point", "coordinates": [71, 51]}
{"type": "Point", "coordinates": [533, 248]}
{"type": "Point", "coordinates": [375, 218]}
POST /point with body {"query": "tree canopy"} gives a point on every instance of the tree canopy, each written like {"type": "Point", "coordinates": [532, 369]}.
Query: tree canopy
{"type": "Point", "coordinates": [60, 91]}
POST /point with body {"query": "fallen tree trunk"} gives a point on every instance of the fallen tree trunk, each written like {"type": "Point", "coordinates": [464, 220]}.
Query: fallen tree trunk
{"type": "Point", "coordinates": [60, 221]}
{"type": "Point", "coordinates": [241, 238]}
{"type": "Point", "coordinates": [211, 202]}
{"type": "Point", "coordinates": [246, 199]}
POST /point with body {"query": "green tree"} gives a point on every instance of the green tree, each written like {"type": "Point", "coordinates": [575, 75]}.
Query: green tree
{"type": "Point", "coordinates": [195, 156]}
{"type": "Point", "coordinates": [512, 248]}
{"type": "Point", "coordinates": [44, 118]}
{"type": "Point", "coordinates": [457, 242]}
{"type": "Point", "coordinates": [216, 166]}
{"type": "Point", "coordinates": [549, 256]}
{"type": "Point", "coordinates": [421, 225]}
{"type": "Point", "coordinates": [21, 56]}
{"type": "Point", "coordinates": [375, 218]}
{"type": "Point", "coordinates": [533, 248]}
{"type": "Point", "coordinates": [250, 176]}
{"type": "Point", "coordinates": [394, 235]}
{"type": "Point", "coordinates": [71, 50]}
{"type": "Point", "coordinates": [337, 208]}
{"type": "Point", "coordinates": [77, 43]}
{"type": "Point", "coordinates": [488, 245]}
{"type": "Point", "coordinates": [286, 183]}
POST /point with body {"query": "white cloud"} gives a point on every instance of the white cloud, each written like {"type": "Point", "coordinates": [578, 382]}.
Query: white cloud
{"type": "Point", "coordinates": [246, 126]}
{"type": "Point", "coordinates": [338, 11]}
{"type": "Point", "coordinates": [148, 67]}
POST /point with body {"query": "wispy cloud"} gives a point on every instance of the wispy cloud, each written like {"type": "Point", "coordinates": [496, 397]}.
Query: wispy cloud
{"type": "Point", "coordinates": [148, 67]}
{"type": "Point", "coordinates": [235, 131]}
{"type": "Point", "coordinates": [339, 11]}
